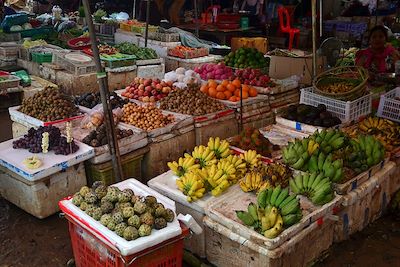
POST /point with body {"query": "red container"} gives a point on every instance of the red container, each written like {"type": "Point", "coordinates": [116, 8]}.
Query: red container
{"type": "Point", "coordinates": [89, 251]}
{"type": "Point", "coordinates": [75, 43]}
{"type": "Point", "coordinates": [228, 19]}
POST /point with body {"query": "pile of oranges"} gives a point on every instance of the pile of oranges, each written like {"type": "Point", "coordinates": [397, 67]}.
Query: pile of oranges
{"type": "Point", "coordinates": [228, 90]}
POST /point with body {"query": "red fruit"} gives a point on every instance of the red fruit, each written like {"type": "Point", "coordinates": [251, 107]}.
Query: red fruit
{"type": "Point", "coordinates": [159, 87]}
{"type": "Point", "coordinates": [154, 92]}
{"type": "Point", "coordinates": [147, 82]}
{"type": "Point", "coordinates": [140, 92]}
{"type": "Point", "coordinates": [141, 87]}
{"type": "Point", "coordinates": [253, 82]}
{"type": "Point", "coordinates": [146, 93]}
{"type": "Point", "coordinates": [148, 88]}
{"type": "Point", "coordinates": [130, 95]}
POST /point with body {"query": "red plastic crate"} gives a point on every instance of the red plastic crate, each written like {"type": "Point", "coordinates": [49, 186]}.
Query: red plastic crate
{"type": "Point", "coordinates": [89, 251]}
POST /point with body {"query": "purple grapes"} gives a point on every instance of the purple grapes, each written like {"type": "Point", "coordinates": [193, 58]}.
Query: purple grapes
{"type": "Point", "coordinates": [33, 141]}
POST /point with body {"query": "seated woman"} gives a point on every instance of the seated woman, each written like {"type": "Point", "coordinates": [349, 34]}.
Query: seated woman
{"type": "Point", "coordinates": [380, 56]}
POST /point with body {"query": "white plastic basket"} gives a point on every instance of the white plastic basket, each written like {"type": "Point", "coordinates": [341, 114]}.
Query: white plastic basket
{"type": "Point", "coordinates": [389, 107]}
{"type": "Point", "coordinates": [346, 111]}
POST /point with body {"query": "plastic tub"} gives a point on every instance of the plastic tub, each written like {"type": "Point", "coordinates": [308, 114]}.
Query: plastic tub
{"type": "Point", "coordinates": [389, 106]}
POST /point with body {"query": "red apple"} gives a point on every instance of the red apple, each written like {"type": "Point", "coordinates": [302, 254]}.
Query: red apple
{"type": "Point", "coordinates": [146, 93]}
{"type": "Point", "coordinates": [153, 92]}
{"type": "Point", "coordinates": [147, 82]}
{"type": "Point", "coordinates": [141, 87]}
{"type": "Point", "coordinates": [148, 88]}
{"type": "Point", "coordinates": [141, 92]}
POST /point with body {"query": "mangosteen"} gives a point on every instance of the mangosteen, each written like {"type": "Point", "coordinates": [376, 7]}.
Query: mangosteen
{"type": "Point", "coordinates": [302, 109]}
{"type": "Point", "coordinates": [336, 121]}
{"type": "Point", "coordinates": [308, 121]}
{"type": "Point", "coordinates": [317, 122]}
{"type": "Point", "coordinates": [292, 109]}
{"type": "Point", "coordinates": [321, 108]}
{"type": "Point", "coordinates": [327, 122]}
{"type": "Point", "coordinates": [291, 116]}
{"type": "Point", "coordinates": [325, 115]}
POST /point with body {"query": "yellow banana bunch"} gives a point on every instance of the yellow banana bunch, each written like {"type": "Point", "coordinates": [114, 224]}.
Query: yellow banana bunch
{"type": "Point", "coordinates": [237, 162]}
{"type": "Point", "coordinates": [251, 182]}
{"type": "Point", "coordinates": [251, 158]}
{"type": "Point", "coordinates": [220, 147]}
{"type": "Point", "coordinates": [228, 169]}
{"type": "Point", "coordinates": [183, 166]}
{"type": "Point", "coordinates": [217, 179]}
{"type": "Point", "coordinates": [203, 156]}
{"type": "Point", "coordinates": [192, 186]}
{"type": "Point", "coordinates": [312, 147]}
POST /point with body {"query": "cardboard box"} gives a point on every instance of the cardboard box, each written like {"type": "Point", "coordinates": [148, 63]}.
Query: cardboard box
{"type": "Point", "coordinates": [282, 67]}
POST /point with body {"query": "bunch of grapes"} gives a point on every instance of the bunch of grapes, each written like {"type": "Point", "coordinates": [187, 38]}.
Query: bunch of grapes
{"type": "Point", "coordinates": [33, 141]}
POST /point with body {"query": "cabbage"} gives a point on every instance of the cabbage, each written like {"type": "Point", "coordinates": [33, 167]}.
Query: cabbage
{"type": "Point", "coordinates": [16, 28]}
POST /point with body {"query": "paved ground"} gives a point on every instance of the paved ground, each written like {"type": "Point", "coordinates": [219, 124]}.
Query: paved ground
{"type": "Point", "coordinates": [27, 241]}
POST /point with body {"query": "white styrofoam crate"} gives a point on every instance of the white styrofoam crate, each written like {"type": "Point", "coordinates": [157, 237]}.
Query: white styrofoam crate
{"type": "Point", "coordinates": [346, 111]}
{"type": "Point", "coordinates": [389, 107]}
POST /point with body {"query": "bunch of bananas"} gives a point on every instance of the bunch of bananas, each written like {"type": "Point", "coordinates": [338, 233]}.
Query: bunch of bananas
{"type": "Point", "coordinates": [325, 164]}
{"type": "Point", "coordinates": [228, 169]}
{"type": "Point", "coordinates": [365, 152]}
{"type": "Point", "coordinates": [183, 166]}
{"type": "Point", "coordinates": [253, 182]}
{"type": "Point", "coordinates": [296, 154]}
{"type": "Point", "coordinates": [316, 187]}
{"type": "Point", "coordinates": [329, 140]}
{"type": "Point", "coordinates": [251, 158]}
{"type": "Point", "coordinates": [276, 173]}
{"type": "Point", "coordinates": [386, 131]}
{"type": "Point", "coordinates": [219, 147]}
{"type": "Point", "coordinates": [192, 185]}
{"type": "Point", "coordinates": [217, 180]}
{"type": "Point", "coordinates": [203, 156]}
{"type": "Point", "coordinates": [238, 163]}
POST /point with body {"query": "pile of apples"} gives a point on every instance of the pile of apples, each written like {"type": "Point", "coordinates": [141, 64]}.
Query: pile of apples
{"type": "Point", "coordinates": [214, 71]}
{"type": "Point", "coordinates": [253, 77]}
{"type": "Point", "coordinates": [148, 90]}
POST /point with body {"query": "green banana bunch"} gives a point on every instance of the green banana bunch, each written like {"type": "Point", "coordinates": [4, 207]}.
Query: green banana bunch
{"type": "Point", "coordinates": [296, 154]}
{"type": "Point", "coordinates": [329, 140]}
{"type": "Point", "coordinates": [326, 165]}
{"type": "Point", "coordinates": [316, 187]}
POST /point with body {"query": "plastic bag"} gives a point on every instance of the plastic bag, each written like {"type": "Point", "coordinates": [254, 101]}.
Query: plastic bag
{"type": "Point", "coordinates": [24, 76]}
{"type": "Point", "coordinates": [95, 118]}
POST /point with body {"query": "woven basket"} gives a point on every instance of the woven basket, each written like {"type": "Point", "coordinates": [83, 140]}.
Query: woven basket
{"type": "Point", "coordinates": [341, 73]}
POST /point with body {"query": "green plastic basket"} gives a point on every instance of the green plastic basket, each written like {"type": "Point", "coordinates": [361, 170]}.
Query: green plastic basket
{"type": "Point", "coordinates": [128, 60]}
{"type": "Point", "coordinates": [42, 57]}
{"type": "Point", "coordinates": [131, 168]}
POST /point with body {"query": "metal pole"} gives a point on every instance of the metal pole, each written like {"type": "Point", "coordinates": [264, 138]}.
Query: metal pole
{"type": "Point", "coordinates": [134, 9]}
{"type": "Point", "coordinates": [376, 12]}
{"type": "Point", "coordinates": [147, 23]}
{"type": "Point", "coordinates": [104, 95]}
{"type": "Point", "coordinates": [195, 18]}
{"type": "Point", "coordinates": [314, 36]}
{"type": "Point", "coordinates": [320, 18]}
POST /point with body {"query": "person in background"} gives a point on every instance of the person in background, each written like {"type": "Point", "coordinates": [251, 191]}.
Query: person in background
{"type": "Point", "coordinates": [254, 6]}
{"type": "Point", "coordinates": [380, 56]}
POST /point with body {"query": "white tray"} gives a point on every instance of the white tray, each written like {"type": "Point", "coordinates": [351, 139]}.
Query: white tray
{"type": "Point", "coordinates": [52, 163]}
{"type": "Point", "coordinates": [116, 242]}
{"type": "Point", "coordinates": [280, 135]}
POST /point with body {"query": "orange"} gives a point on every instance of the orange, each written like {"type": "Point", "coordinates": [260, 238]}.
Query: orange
{"type": "Point", "coordinates": [253, 92]}
{"type": "Point", "coordinates": [228, 94]}
{"type": "Point", "coordinates": [236, 83]}
{"type": "Point", "coordinates": [212, 83]}
{"type": "Point", "coordinates": [245, 95]}
{"type": "Point", "coordinates": [204, 89]}
{"type": "Point", "coordinates": [221, 88]}
{"type": "Point", "coordinates": [232, 99]}
{"type": "Point", "coordinates": [220, 95]}
{"type": "Point", "coordinates": [245, 88]}
{"type": "Point", "coordinates": [231, 87]}
{"type": "Point", "coordinates": [225, 83]}
{"type": "Point", "coordinates": [237, 92]}
{"type": "Point", "coordinates": [212, 92]}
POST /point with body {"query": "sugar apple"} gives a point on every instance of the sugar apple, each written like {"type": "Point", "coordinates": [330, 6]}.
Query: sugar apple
{"type": "Point", "coordinates": [150, 210]}
{"type": "Point", "coordinates": [160, 212]}
{"type": "Point", "coordinates": [134, 221]}
{"type": "Point", "coordinates": [106, 219]}
{"type": "Point", "coordinates": [158, 205]}
{"type": "Point", "coordinates": [106, 206]}
{"type": "Point", "coordinates": [129, 192]}
{"type": "Point", "coordinates": [140, 207]}
{"type": "Point", "coordinates": [135, 199]}
{"type": "Point", "coordinates": [123, 205]}
{"type": "Point", "coordinates": [160, 223]}
{"type": "Point", "coordinates": [169, 215]}
{"type": "Point", "coordinates": [83, 206]}
{"type": "Point", "coordinates": [77, 199]}
{"type": "Point", "coordinates": [150, 201]}
{"type": "Point", "coordinates": [97, 184]}
{"type": "Point", "coordinates": [112, 193]}
{"type": "Point", "coordinates": [144, 230]}
{"type": "Point", "coordinates": [90, 197]}
{"type": "Point", "coordinates": [130, 233]}
{"type": "Point", "coordinates": [123, 197]}
{"type": "Point", "coordinates": [97, 214]}
{"type": "Point", "coordinates": [90, 209]}
{"type": "Point", "coordinates": [111, 225]}
{"type": "Point", "coordinates": [84, 190]}
{"type": "Point", "coordinates": [101, 191]}
{"type": "Point", "coordinates": [119, 228]}
{"type": "Point", "coordinates": [147, 218]}
{"type": "Point", "coordinates": [118, 218]}
{"type": "Point", "coordinates": [128, 212]}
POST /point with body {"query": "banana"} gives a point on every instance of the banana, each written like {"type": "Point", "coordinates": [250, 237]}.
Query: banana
{"type": "Point", "coordinates": [293, 186]}
{"type": "Point", "coordinates": [290, 207]}
{"type": "Point", "coordinates": [252, 210]}
{"type": "Point", "coordinates": [265, 224]}
{"type": "Point", "coordinates": [313, 176]}
{"type": "Point", "coordinates": [290, 219]}
{"type": "Point", "coordinates": [245, 217]}
{"type": "Point", "coordinates": [313, 164]}
{"type": "Point", "coordinates": [306, 177]}
{"type": "Point", "coordinates": [299, 164]}
{"type": "Point", "coordinates": [299, 182]}
{"type": "Point", "coordinates": [286, 201]}
{"type": "Point", "coordinates": [317, 180]}
{"type": "Point", "coordinates": [275, 194]}
{"type": "Point", "coordinates": [282, 196]}
{"type": "Point", "coordinates": [272, 216]}
{"type": "Point", "coordinates": [273, 232]}
{"type": "Point", "coordinates": [261, 198]}
{"type": "Point", "coordinates": [321, 160]}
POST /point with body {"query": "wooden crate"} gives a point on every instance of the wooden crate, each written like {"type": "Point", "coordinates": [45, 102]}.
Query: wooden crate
{"type": "Point", "coordinates": [365, 204]}
{"type": "Point", "coordinates": [165, 148]}
{"type": "Point", "coordinates": [41, 198]}
{"type": "Point", "coordinates": [226, 249]}
{"type": "Point", "coordinates": [223, 127]}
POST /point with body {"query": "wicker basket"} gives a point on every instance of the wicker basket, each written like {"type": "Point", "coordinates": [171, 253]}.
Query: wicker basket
{"type": "Point", "coordinates": [344, 74]}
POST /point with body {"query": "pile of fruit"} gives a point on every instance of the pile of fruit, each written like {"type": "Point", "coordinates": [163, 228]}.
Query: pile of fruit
{"type": "Point", "coordinates": [104, 50]}
{"type": "Point", "coordinates": [147, 90]}
{"type": "Point", "coordinates": [187, 52]}
{"type": "Point", "coordinates": [251, 139]}
{"type": "Point", "coordinates": [141, 53]}
{"type": "Point", "coordinates": [347, 57]}
{"type": "Point", "coordinates": [90, 100]}
{"type": "Point", "coordinates": [314, 154]}
{"type": "Point", "coordinates": [35, 141]}
{"type": "Point", "coordinates": [49, 105]}
{"type": "Point", "coordinates": [145, 117]}
{"type": "Point", "coordinates": [275, 210]}
{"type": "Point", "coordinates": [246, 58]}
{"type": "Point", "coordinates": [386, 131]}
{"type": "Point", "coordinates": [228, 90]}
{"type": "Point", "coordinates": [98, 137]}
{"type": "Point", "coordinates": [214, 71]}
{"type": "Point", "coordinates": [315, 186]}
{"type": "Point", "coordinates": [317, 116]}
{"type": "Point", "coordinates": [128, 215]}
{"type": "Point", "coordinates": [191, 102]}
{"type": "Point", "coordinates": [211, 168]}
{"type": "Point", "coordinates": [254, 77]}
{"type": "Point", "coordinates": [276, 174]}
{"type": "Point", "coordinates": [181, 78]}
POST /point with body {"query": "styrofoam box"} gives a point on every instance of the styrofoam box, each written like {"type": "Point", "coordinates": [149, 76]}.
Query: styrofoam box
{"type": "Point", "coordinates": [110, 238]}
{"type": "Point", "coordinates": [151, 71]}
{"type": "Point", "coordinates": [298, 126]}
{"type": "Point", "coordinates": [51, 163]}
{"type": "Point", "coordinates": [281, 136]}
{"type": "Point", "coordinates": [166, 184]}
